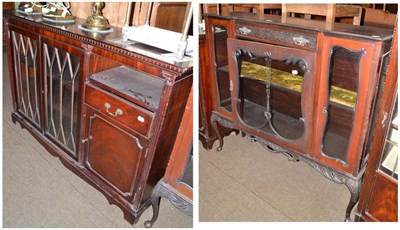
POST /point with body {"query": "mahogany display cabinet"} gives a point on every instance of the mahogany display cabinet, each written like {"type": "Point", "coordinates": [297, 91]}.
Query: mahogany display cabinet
{"type": "Point", "coordinates": [379, 194]}
{"type": "Point", "coordinates": [303, 88]}
{"type": "Point", "coordinates": [103, 108]}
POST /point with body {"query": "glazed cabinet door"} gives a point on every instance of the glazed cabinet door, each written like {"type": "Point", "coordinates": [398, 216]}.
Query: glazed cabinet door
{"type": "Point", "coordinates": [218, 32]}
{"type": "Point", "coordinates": [113, 154]}
{"type": "Point", "coordinates": [62, 69]}
{"type": "Point", "coordinates": [347, 83]}
{"type": "Point", "coordinates": [272, 87]}
{"type": "Point", "coordinates": [26, 80]}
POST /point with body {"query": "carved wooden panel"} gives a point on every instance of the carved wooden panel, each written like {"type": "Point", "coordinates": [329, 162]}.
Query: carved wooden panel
{"type": "Point", "coordinates": [113, 154]}
{"type": "Point", "coordinates": [291, 37]}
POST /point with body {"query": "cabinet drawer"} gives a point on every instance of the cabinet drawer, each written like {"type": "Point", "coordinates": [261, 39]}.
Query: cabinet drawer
{"type": "Point", "coordinates": [119, 109]}
{"type": "Point", "coordinates": [278, 35]}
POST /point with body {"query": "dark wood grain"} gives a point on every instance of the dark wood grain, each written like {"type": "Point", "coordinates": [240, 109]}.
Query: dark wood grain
{"type": "Point", "coordinates": [379, 195]}
{"type": "Point", "coordinates": [347, 130]}
{"type": "Point", "coordinates": [121, 155]}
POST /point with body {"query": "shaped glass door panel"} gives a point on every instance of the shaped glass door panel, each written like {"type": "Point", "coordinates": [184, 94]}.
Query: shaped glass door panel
{"type": "Point", "coordinates": [270, 92]}
{"type": "Point", "coordinates": [220, 36]}
{"type": "Point", "coordinates": [342, 100]}
{"type": "Point", "coordinates": [26, 76]}
{"type": "Point", "coordinates": [61, 90]}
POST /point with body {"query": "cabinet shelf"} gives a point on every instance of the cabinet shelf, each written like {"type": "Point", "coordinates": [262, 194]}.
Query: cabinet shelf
{"type": "Point", "coordinates": [253, 115]}
{"type": "Point", "coordinates": [339, 96]}
{"type": "Point", "coordinates": [134, 85]}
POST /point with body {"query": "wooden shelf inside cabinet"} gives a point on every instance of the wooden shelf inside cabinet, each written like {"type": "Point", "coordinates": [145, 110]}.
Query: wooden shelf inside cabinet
{"type": "Point", "coordinates": [139, 87]}
{"type": "Point", "coordinates": [338, 96]}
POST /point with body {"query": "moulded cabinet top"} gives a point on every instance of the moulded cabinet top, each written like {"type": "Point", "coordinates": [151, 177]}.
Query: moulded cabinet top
{"type": "Point", "coordinates": [365, 32]}
{"type": "Point", "coordinates": [110, 39]}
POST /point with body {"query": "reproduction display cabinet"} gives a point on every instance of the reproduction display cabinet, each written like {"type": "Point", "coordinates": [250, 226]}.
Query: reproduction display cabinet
{"type": "Point", "coordinates": [103, 108]}
{"type": "Point", "coordinates": [299, 87]}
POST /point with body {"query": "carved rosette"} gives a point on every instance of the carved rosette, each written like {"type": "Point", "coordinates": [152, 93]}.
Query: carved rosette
{"type": "Point", "coordinates": [169, 77]}
{"type": "Point", "coordinates": [88, 48]}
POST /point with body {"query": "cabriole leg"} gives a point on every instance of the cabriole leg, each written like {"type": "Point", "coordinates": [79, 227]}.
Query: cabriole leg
{"type": "Point", "coordinates": [155, 203]}
{"type": "Point", "coordinates": [354, 188]}
{"type": "Point", "coordinates": [214, 124]}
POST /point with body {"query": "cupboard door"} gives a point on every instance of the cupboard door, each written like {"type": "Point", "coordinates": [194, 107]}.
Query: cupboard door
{"type": "Point", "coordinates": [26, 75]}
{"type": "Point", "coordinates": [346, 88]}
{"type": "Point", "coordinates": [271, 87]}
{"type": "Point", "coordinates": [114, 155]}
{"type": "Point", "coordinates": [62, 71]}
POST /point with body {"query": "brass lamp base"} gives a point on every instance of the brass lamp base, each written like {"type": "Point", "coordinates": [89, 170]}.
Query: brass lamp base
{"type": "Point", "coordinates": [96, 21]}
{"type": "Point", "coordinates": [98, 26]}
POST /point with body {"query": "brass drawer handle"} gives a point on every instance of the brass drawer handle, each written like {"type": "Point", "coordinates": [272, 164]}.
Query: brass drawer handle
{"type": "Point", "coordinates": [300, 41]}
{"type": "Point", "coordinates": [244, 30]}
{"type": "Point", "coordinates": [117, 112]}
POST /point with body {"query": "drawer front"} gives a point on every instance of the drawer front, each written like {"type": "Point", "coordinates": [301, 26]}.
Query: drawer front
{"type": "Point", "coordinates": [294, 38]}
{"type": "Point", "coordinates": [119, 109]}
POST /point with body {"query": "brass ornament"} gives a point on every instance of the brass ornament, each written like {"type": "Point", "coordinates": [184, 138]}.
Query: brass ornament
{"type": "Point", "coordinates": [96, 21]}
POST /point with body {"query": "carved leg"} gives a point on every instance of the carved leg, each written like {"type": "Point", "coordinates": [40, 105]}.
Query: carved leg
{"type": "Point", "coordinates": [155, 203]}
{"type": "Point", "coordinates": [214, 124]}
{"type": "Point", "coordinates": [354, 188]}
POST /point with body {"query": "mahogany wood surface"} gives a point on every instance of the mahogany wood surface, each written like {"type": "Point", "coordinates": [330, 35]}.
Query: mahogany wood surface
{"type": "Point", "coordinates": [366, 87]}
{"type": "Point", "coordinates": [180, 156]}
{"type": "Point", "coordinates": [207, 89]}
{"type": "Point", "coordinates": [379, 195]}
{"type": "Point", "coordinates": [359, 66]}
{"type": "Point", "coordinates": [121, 155]}
{"type": "Point", "coordinates": [278, 53]}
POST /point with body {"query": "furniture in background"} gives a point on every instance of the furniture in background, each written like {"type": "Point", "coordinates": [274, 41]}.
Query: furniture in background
{"type": "Point", "coordinates": [298, 87]}
{"type": "Point", "coordinates": [254, 8]}
{"type": "Point", "coordinates": [101, 108]}
{"type": "Point", "coordinates": [116, 11]}
{"type": "Point", "coordinates": [378, 199]}
{"type": "Point", "coordinates": [378, 18]}
{"type": "Point", "coordinates": [330, 11]}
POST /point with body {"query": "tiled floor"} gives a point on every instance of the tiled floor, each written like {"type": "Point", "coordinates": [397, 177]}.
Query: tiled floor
{"type": "Point", "coordinates": [38, 191]}
{"type": "Point", "coordinates": [245, 182]}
